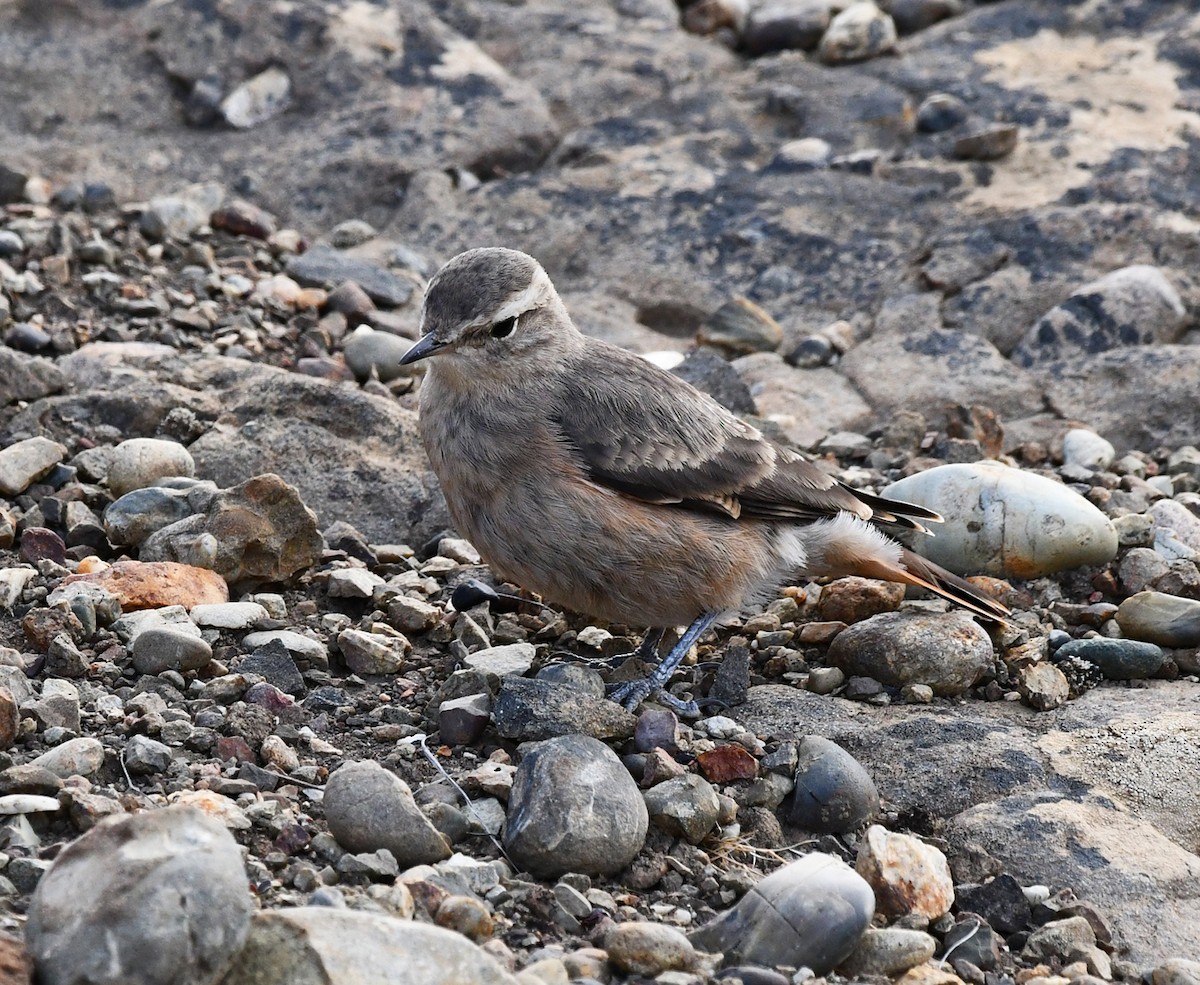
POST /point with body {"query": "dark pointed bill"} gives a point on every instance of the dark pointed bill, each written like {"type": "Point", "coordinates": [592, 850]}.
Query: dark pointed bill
{"type": "Point", "coordinates": [426, 345]}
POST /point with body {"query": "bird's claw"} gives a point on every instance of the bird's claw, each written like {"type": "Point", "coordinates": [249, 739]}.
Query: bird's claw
{"type": "Point", "coordinates": [631, 694]}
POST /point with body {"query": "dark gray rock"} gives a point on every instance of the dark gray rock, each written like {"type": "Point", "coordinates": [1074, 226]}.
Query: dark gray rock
{"type": "Point", "coordinates": [834, 794]}
{"type": "Point", "coordinates": [810, 913]}
{"type": "Point", "coordinates": [327, 267]}
{"type": "Point", "coordinates": [369, 808]}
{"type": "Point", "coordinates": [528, 709]}
{"type": "Point", "coordinates": [685, 806]}
{"type": "Point", "coordinates": [25, 377]}
{"type": "Point", "coordinates": [574, 808]}
{"type": "Point", "coordinates": [1000, 901]}
{"type": "Point", "coordinates": [150, 898]}
{"type": "Point", "coordinates": [162, 648]}
{"type": "Point", "coordinates": [1118, 660]}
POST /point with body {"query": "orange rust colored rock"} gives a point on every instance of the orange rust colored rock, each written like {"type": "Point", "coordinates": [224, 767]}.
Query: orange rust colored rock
{"type": "Point", "coordinates": [727, 763]}
{"type": "Point", "coordinates": [154, 584]}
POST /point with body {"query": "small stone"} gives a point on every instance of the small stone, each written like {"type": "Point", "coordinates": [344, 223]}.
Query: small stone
{"type": "Point", "coordinates": [155, 585]}
{"type": "Point", "coordinates": [1044, 527]}
{"type": "Point", "coordinates": [859, 32]}
{"type": "Point", "coordinates": [38, 544]}
{"type": "Point", "coordinates": [323, 266]}
{"type": "Point", "coordinates": [657, 728]}
{"type": "Point", "coordinates": [535, 709]}
{"type": "Point", "coordinates": [686, 807]}
{"type": "Point", "coordinates": [153, 898]}
{"type": "Point", "coordinates": [782, 25]}
{"type": "Point", "coordinates": [834, 793]}
{"type": "Point", "coordinates": [374, 354]}
{"type": "Point", "coordinates": [1176, 971]}
{"type": "Point", "coordinates": [243, 219]}
{"type": "Point", "coordinates": [1118, 660]}
{"type": "Point", "coordinates": [467, 916]}
{"type": "Point", "coordinates": [916, 15]}
{"type": "Point", "coordinates": [888, 952]}
{"type": "Point", "coordinates": [852, 599]}
{"type": "Point", "coordinates": [1156, 617]}
{"type": "Point", "coordinates": [989, 143]}
{"type": "Point", "coordinates": [1000, 901]}
{"type": "Point", "coordinates": [740, 326]}
{"type": "Point", "coordinates": [63, 658]}
{"type": "Point", "coordinates": [810, 913]}
{"type": "Point", "coordinates": [369, 808]}
{"type": "Point", "coordinates": [228, 615]}
{"type": "Point", "coordinates": [258, 99]}
{"type": "Point", "coordinates": [353, 583]}
{"type": "Point", "coordinates": [803, 154]}
{"type": "Point", "coordinates": [947, 652]}
{"type": "Point", "coordinates": [143, 756]}
{"type": "Point", "coordinates": [273, 661]}
{"type": "Point", "coordinates": [462, 720]}
{"type": "Point", "coordinates": [1087, 450]}
{"type": "Point", "coordinates": [648, 949]}
{"type": "Point", "coordinates": [24, 462]}
{"type": "Point", "coordinates": [727, 763]}
{"type": "Point", "coordinates": [511, 659]}
{"type": "Point", "coordinates": [142, 512]}
{"type": "Point", "coordinates": [304, 648]}
{"type": "Point", "coordinates": [75, 757]}
{"type": "Point", "coordinates": [1043, 686]}
{"type": "Point", "coordinates": [413, 615]}
{"type": "Point", "coordinates": [908, 876]}
{"type": "Point", "coordinates": [574, 808]}
{"type": "Point", "coordinates": [163, 648]}
{"type": "Point", "coordinates": [370, 653]}
{"type": "Point", "coordinates": [1054, 940]}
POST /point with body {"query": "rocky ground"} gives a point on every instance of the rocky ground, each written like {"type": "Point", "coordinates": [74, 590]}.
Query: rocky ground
{"type": "Point", "coordinates": [237, 629]}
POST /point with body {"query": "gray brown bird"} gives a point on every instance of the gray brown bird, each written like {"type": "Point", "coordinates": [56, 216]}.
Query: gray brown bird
{"type": "Point", "coordinates": [590, 476]}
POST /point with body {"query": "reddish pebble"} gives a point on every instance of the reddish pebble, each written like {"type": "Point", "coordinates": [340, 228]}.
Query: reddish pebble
{"type": "Point", "coordinates": [727, 763]}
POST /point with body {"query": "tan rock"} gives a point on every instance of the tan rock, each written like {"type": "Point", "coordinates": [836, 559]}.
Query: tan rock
{"type": "Point", "coordinates": [154, 584]}
{"type": "Point", "coordinates": [908, 876]}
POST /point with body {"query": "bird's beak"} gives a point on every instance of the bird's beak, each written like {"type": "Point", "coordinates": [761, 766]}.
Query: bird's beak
{"type": "Point", "coordinates": [427, 345]}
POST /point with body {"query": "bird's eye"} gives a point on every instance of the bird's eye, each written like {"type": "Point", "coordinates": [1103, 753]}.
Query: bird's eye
{"type": "Point", "coordinates": [503, 329]}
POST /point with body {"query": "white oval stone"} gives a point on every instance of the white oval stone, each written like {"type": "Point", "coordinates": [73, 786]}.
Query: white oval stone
{"type": "Point", "coordinates": [1087, 449]}
{"type": "Point", "coordinates": [1006, 522]}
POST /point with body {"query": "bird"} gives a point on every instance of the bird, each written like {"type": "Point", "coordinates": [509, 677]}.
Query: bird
{"type": "Point", "coordinates": [601, 482]}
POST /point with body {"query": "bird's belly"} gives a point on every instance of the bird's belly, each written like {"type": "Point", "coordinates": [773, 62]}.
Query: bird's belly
{"type": "Point", "coordinates": [609, 556]}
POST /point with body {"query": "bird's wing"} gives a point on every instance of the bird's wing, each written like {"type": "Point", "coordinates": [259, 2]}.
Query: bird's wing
{"type": "Point", "coordinates": [648, 434]}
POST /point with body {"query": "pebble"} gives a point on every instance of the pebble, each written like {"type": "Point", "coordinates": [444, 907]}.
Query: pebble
{"type": "Point", "coordinates": [157, 585]}
{"type": "Point", "coordinates": [1043, 686]}
{"type": "Point", "coordinates": [23, 803]}
{"type": "Point", "coordinates": [462, 720]}
{"type": "Point", "coordinates": [467, 916]}
{"type": "Point", "coordinates": [138, 514]}
{"type": "Point", "coordinates": [1118, 660]}
{"type": "Point", "coordinates": [988, 143]}
{"type": "Point", "coordinates": [1176, 971]}
{"type": "Point", "coordinates": [353, 583]}
{"type": "Point", "coordinates": [531, 709]}
{"type": "Point", "coordinates": [859, 32]}
{"type": "Point", "coordinates": [907, 875]}
{"type": "Point", "coordinates": [1155, 617]}
{"type": "Point", "coordinates": [228, 615]}
{"type": "Point", "coordinates": [1181, 523]}
{"type": "Point", "coordinates": [1001, 902]}
{"type": "Point", "coordinates": [916, 15]}
{"type": "Point", "coordinates": [510, 659]}
{"type": "Point", "coordinates": [369, 808]}
{"type": "Point", "coordinates": [297, 945]}
{"type": "Point", "coordinates": [834, 793]}
{"type": "Point", "coordinates": [371, 653]}
{"type": "Point", "coordinates": [24, 462]}
{"type": "Point", "coordinates": [257, 99]}
{"type": "Point", "coordinates": [1131, 306]}
{"type": "Point", "coordinates": [324, 266]}
{"type": "Point", "coordinates": [781, 25]}
{"type": "Point", "coordinates": [155, 897]}
{"type": "Point", "coordinates": [374, 354]}
{"type": "Point", "coordinates": [1087, 450]}
{"type": "Point", "coordinates": [1006, 522]}
{"type": "Point", "coordinates": [852, 599]}
{"type": "Point", "coordinates": [740, 326]}
{"type": "Point", "coordinates": [803, 154]}
{"type": "Point", "coordinates": [648, 949]}
{"type": "Point", "coordinates": [888, 952]}
{"type": "Point", "coordinates": [75, 757]}
{"type": "Point", "coordinates": [141, 462]}
{"type": "Point", "coordinates": [810, 913]}
{"type": "Point", "coordinates": [144, 756]}
{"type": "Point", "coordinates": [685, 806]}
{"type": "Point", "coordinates": [574, 808]}
{"type": "Point", "coordinates": [297, 644]}
{"type": "Point", "coordinates": [178, 216]}
{"type": "Point", "coordinates": [948, 652]}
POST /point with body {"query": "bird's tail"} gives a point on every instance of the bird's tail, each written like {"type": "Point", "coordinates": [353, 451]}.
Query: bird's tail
{"type": "Point", "coordinates": [926, 574]}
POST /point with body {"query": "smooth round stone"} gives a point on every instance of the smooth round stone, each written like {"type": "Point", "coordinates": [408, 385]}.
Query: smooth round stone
{"type": "Point", "coordinates": [648, 949]}
{"type": "Point", "coordinates": [1006, 522]}
{"type": "Point", "coordinates": [1156, 617]}
{"type": "Point", "coordinates": [574, 808]}
{"type": "Point", "coordinates": [316, 945]}
{"type": "Point", "coordinates": [228, 615]}
{"type": "Point", "coordinates": [888, 952]}
{"type": "Point", "coordinates": [369, 808]}
{"type": "Point", "coordinates": [24, 462]}
{"type": "Point", "coordinates": [810, 913]}
{"type": "Point", "coordinates": [27, 803]}
{"type": "Point", "coordinates": [163, 648]}
{"type": "Point", "coordinates": [989, 143]}
{"type": "Point", "coordinates": [860, 31]}
{"type": "Point", "coordinates": [368, 352]}
{"type": "Point", "coordinates": [685, 806]}
{"type": "Point", "coordinates": [141, 462]}
{"type": "Point", "coordinates": [75, 757]}
{"type": "Point", "coordinates": [834, 793]}
{"type": "Point", "coordinates": [949, 652]}
{"type": "Point", "coordinates": [156, 898]}
{"type": "Point", "coordinates": [1118, 660]}
{"type": "Point", "coordinates": [1087, 449]}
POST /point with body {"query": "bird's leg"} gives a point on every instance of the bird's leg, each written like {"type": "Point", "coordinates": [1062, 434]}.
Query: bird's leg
{"type": "Point", "coordinates": [647, 652]}
{"type": "Point", "coordinates": [630, 694]}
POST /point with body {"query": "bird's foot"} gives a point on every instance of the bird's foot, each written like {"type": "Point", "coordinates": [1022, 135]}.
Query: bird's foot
{"type": "Point", "coordinates": [631, 694]}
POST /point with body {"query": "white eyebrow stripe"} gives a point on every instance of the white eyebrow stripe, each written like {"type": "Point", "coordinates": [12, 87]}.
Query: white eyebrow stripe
{"type": "Point", "coordinates": [526, 299]}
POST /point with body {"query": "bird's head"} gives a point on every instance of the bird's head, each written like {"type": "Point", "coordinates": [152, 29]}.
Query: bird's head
{"type": "Point", "coordinates": [488, 306]}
